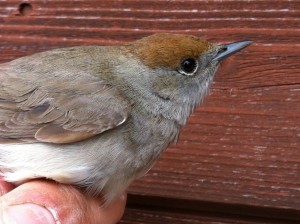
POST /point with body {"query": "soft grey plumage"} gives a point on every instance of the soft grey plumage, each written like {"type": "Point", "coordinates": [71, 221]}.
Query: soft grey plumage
{"type": "Point", "coordinates": [98, 117]}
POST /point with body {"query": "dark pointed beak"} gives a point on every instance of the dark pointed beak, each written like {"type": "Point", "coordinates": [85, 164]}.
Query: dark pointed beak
{"type": "Point", "coordinates": [228, 49]}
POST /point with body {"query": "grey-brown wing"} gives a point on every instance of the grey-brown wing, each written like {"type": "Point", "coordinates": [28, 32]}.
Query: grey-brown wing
{"type": "Point", "coordinates": [56, 109]}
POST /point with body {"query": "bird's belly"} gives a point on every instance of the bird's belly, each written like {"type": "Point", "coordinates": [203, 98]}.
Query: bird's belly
{"type": "Point", "coordinates": [105, 164]}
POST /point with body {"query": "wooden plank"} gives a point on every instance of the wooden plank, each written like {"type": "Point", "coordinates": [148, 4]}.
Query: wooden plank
{"type": "Point", "coordinates": [203, 207]}
{"type": "Point", "coordinates": [139, 214]}
{"type": "Point", "coordinates": [242, 146]}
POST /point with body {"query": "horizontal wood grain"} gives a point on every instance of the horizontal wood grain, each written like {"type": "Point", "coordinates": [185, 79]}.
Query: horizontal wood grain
{"type": "Point", "coordinates": [151, 216]}
{"type": "Point", "coordinates": [145, 209]}
{"type": "Point", "coordinates": [242, 146]}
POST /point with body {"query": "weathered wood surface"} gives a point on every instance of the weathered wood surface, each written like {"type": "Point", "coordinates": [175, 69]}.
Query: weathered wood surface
{"type": "Point", "coordinates": [150, 216]}
{"type": "Point", "coordinates": [242, 147]}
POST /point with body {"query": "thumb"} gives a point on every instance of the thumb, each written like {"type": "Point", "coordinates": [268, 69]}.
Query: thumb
{"type": "Point", "coordinates": [27, 213]}
{"type": "Point", "coordinates": [46, 202]}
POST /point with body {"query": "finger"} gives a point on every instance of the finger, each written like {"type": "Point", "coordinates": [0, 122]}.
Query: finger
{"type": "Point", "coordinates": [5, 187]}
{"type": "Point", "coordinates": [48, 202]}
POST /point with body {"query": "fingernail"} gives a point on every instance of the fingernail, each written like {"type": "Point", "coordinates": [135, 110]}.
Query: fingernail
{"type": "Point", "coordinates": [28, 214]}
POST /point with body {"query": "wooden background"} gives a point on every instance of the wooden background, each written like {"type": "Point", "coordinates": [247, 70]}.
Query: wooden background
{"type": "Point", "coordinates": [238, 159]}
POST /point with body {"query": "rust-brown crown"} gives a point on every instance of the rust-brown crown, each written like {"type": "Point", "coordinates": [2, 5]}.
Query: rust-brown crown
{"type": "Point", "coordinates": [168, 50]}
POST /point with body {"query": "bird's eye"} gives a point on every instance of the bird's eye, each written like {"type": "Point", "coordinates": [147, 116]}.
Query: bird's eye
{"type": "Point", "coordinates": [188, 66]}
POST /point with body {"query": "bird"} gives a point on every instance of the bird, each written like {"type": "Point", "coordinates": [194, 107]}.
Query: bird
{"type": "Point", "coordinates": [98, 117]}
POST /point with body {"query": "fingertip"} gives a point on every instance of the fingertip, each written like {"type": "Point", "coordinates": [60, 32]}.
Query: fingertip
{"type": "Point", "coordinates": [5, 187]}
{"type": "Point", "coordinates": [66, 203]}
{"type": "Point", "coordinates": [29, 201]}
{"type": "Point", "coordinates": [27, 214]}
{"type": "Point", "coordinates": [114, 212]}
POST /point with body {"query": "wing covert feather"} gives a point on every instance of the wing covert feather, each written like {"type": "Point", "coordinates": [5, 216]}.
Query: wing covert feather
{"type": "Point", "coordinates": [57, 108]}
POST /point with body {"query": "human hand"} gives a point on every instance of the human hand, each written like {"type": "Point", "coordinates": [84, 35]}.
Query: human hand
{"type": "Point", "coordinates": [47, 202]}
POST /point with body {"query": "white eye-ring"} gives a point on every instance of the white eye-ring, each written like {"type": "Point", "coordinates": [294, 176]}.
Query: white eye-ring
{"type": "Point", "coordinates": [188, 66]}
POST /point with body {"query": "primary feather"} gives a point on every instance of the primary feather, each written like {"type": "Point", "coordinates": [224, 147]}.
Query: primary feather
{"type": "Point", "coordinates": [42, 99]}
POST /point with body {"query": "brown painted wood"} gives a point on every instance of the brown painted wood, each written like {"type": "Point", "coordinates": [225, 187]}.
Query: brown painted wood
{"type": "Point", "coordinates": [152, 215]}
{"type": "Point", "coordinates": [241, 149]}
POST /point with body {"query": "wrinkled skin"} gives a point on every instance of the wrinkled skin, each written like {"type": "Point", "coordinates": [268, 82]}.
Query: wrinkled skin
{"type": "Point", "coordinates": [50, 202]}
